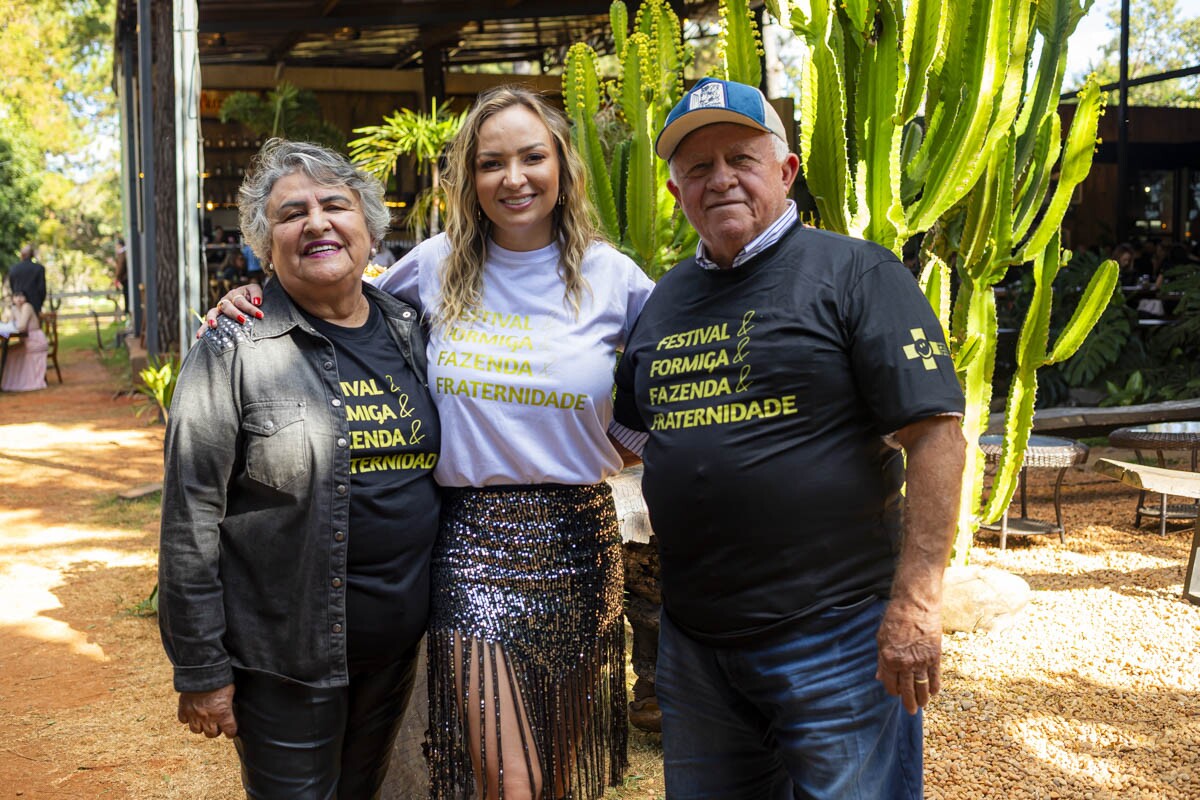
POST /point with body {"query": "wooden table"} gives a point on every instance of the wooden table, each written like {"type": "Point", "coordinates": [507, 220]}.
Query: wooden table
{"type": "Point", "coordinates": [1164, 481]}
{"type": "Point", "coordinates": [1161, 437]}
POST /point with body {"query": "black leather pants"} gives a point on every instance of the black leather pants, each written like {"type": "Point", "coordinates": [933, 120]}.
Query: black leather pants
{"type": "Point", "coordinates": [297, 742]}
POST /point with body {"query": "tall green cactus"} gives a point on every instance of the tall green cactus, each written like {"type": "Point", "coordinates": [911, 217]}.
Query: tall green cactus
{"type": "Point", "coordinates": [628, 185]}
{"type": "Point", "coordinates": [931, 118]}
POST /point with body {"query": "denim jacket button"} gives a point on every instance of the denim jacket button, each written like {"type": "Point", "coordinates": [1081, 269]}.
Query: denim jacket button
{"type": "Point", "coordinates": [341, 488]}
{"type": "Point", "coordinates": [268, 425]}
{"type": "Point", "coordinates": [336, 402]}
{"type": "Point", "coordinates": [337, 627]}
{"type": "Point", "coordinates": [337, 583]}
{"type": "Point", "coordinates": [406, 314]}
{"type": "Point", "coordinates": [328, 365]}
{"type": "Point", "coordinates": [338, 536]}
{"type": "Point", "coordinates": [341, 442]}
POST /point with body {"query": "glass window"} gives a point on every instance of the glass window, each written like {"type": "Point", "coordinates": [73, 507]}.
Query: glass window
{"type": "Point", "coordinates": [1153, 202]}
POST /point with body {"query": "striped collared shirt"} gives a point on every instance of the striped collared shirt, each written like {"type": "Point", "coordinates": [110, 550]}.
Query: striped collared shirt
{"type": "Point", "coordinates": [770, 236]}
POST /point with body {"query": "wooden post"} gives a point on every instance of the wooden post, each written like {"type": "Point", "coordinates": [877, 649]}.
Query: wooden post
{"type": "Point", "coordinates": [1164, 481]}
{"type": "Point", "coordinates": [1191, 578]}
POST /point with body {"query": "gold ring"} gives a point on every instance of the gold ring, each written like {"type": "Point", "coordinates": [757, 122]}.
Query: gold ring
{"type": "Point", "coordinates": [920, 680]}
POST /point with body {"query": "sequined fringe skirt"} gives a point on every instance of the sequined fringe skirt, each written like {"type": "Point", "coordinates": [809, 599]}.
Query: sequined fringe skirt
{"type": "Point", "coordinates": [528, 577]}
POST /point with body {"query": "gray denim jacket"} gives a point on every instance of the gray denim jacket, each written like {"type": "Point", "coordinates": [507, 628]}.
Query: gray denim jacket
{"type": "Point", "coordinates": [256, 499]}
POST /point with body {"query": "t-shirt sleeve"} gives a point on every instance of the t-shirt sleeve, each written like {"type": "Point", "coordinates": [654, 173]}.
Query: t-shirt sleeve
{"type": "Point", "coordinates": [625, 411]}
{"type": "Point", "coordinates": [402, 279]}
{"type": "Point", "coordinates": [900, 359]}
{"type": "Point", "coordinates": [624, 407]}
{"type": "Point", "coordinates": [639, 288]}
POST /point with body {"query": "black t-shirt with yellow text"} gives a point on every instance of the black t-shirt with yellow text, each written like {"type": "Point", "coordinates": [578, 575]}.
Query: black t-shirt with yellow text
{"type": "Point", "coordinates": [394, 503]}
{"type": "Point", "coordinates": [767, 391]}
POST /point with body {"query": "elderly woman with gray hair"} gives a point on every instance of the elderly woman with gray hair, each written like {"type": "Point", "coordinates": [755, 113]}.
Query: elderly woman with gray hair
{"type": "Point", "coordinates": [299, 508]}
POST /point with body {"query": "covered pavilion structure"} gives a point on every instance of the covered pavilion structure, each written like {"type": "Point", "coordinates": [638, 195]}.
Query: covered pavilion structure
{"type": "Point", "coordinates": [176, 60]}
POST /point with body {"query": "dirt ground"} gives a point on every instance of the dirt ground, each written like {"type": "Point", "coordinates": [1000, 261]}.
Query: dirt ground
{"type": "Point", "coordinates": [87, 711]}
{"type": "Point", "coordinates": [86, 708]}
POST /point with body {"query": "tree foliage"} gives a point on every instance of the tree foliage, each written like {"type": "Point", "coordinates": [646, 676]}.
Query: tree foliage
{"type": "Point", "coordinates": [1162, 37]}
{"type": "Point", "coordinates": [58, 128]}
{"type": "Point", "coordinates": [18, 202]}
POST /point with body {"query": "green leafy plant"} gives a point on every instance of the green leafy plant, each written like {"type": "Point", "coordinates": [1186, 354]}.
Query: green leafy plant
{"type": "Point", "coordinates": [147, 607]}
{"type": "Point", "coordinates": [1134, 391]}
{"type": "Point", "coordinates": [286, 111]}
{"type": "Point", "coordinates": [158, 380]}
{"type": "Point", "coordinates": [411, 133]}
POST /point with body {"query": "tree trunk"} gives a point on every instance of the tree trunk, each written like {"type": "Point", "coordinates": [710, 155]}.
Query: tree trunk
{"type": "Point", "coordinates": [166, 206]}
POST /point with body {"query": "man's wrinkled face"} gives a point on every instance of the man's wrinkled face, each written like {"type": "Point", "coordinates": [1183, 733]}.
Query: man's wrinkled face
{"type": "Point", "coordinates": [732, 183]}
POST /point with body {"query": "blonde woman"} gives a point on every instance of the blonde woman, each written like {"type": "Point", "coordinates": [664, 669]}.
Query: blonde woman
{"type": "Point", "coordinates": [527, 308]}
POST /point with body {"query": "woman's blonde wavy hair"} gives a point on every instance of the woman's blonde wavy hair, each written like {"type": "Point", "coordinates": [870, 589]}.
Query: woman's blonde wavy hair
{"type": "Point", "coordinates": [467, 227]}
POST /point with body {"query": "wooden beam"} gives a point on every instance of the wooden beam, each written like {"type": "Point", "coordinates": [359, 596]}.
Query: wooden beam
{"type": "Point", "coordinates": [392, 15]}
{"type": "Point", "coordinates": [438, 36]}
{"type": "Point", "coordinates": [1097, 421]}
{"type": "Point", "coordinates": [233, 77]}
{"type": "Point", "coordinates": [433, 71]}
{"type": "Point", "coordinates": [285, 44]}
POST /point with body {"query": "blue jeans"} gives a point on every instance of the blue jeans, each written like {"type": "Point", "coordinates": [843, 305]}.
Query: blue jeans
{"type": "Point", "coordinates": [798, 716]}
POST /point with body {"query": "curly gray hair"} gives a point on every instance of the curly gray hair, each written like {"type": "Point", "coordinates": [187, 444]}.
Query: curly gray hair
{"type": "Point", "coordinates": [279, 158]}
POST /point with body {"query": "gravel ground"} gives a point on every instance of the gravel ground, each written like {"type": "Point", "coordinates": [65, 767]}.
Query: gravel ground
{"type": "Point", "coordinates": [1094, 692]}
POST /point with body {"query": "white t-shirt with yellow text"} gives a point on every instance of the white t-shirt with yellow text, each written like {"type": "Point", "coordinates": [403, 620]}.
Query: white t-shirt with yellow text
{"type": "Point", "coordinates": [522, 384]}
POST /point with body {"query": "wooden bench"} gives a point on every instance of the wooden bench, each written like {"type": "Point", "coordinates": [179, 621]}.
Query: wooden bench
{"type": "Point", "coordinates": [1164, 481]}
{"type": "Point", "coordinates": [1080, 421]}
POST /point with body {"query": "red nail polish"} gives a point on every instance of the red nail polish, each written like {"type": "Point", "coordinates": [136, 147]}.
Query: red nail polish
{"type": "Point", "coordinates": [256, 300]}
{"type": "Point", "coordinates": [241, 320]}
{"type": "Point", "coordinates": [258, 314]}
{"type": "Point", "coordinates": [212, 323]}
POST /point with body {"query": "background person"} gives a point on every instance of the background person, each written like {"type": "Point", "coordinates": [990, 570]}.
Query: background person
{"type": "Point", "coordinates": [25, 369]}
{"type": "Point", "coordinates": [251, 268]}
{"type": "Point", "coordinates": [121, 271]}
{"type": "Point", "coordinates": [28, 277]}
{"type": "Point", "coordinates": [775, 373]}
{"type": "Point", "coordinates": [528, 309]}
{"type": "Point", "coordinates": [299, 508]}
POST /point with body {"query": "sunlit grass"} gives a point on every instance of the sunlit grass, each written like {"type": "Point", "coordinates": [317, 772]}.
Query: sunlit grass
{"type": "Point", "coordinates": [118, 513]}
{"type": "Point", "coordinates": [80, 333]}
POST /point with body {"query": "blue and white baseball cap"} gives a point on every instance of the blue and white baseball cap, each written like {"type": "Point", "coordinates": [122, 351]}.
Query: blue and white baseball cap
{"type": "Point", "coordinates": [712, 100]}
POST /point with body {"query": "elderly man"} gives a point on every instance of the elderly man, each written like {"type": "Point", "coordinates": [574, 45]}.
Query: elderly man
{"type": "Point", "coordinates": [777, 376]}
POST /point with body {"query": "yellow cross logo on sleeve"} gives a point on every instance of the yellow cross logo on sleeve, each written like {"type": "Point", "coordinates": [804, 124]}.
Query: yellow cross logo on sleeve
{"type": "Point", "coordinates": [924, 349]}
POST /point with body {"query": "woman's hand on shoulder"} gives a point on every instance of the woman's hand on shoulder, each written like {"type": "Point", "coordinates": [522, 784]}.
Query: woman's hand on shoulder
{"type": "Point", "coordinates": [238, 303]}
